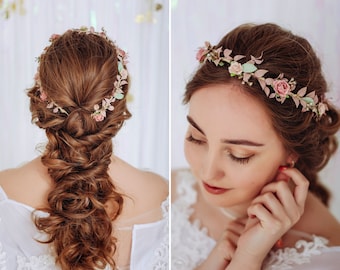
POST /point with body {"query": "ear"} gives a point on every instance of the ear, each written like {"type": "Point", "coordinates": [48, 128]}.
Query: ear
{"type": "Point", "coordinates": [292, 158]}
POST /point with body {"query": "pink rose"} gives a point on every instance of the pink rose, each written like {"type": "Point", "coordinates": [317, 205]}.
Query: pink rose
{"type": "Point", "coordinates": [201, 52]}
{"type": "Point", "coordinates": [43, 95]}
{"type": "Point", "coordinates": [281, 87]}
{"type": "Point", "coordinates": [98, 117]}
{"type": "Point", "coordinates": [235, 68]}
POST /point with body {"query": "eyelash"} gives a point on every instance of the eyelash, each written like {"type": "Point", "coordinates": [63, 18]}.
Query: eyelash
{"type": "Point", "coordinates": [244, 160]}
{"type": "Point", "coordinates": [193, 140]}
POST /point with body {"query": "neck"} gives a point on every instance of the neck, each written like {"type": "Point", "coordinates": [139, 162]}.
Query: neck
{"type": "Point", "coordinates": [235, 212]}
{"type": "Point", "coordinates": [232, 212]}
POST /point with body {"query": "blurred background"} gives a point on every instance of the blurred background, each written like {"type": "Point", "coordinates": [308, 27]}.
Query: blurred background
{"type": "Point", "coordinates": [139, 27]}
{"type": "Point", "coordinates": [194, 22]}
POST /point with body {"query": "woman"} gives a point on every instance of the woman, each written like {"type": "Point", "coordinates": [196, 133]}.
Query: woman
{"type": "Point", "coordinates": [260, 130]}
{"type": "Point", "coordinates": [79, 206]}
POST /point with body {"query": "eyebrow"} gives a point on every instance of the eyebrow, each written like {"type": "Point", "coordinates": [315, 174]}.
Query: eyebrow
{"type": "Point", "coordinates": [193, 123]}
{"type": "Point", "coordinates": [235, 142]}
{"type": "Point", "coordinates": [243, 142]}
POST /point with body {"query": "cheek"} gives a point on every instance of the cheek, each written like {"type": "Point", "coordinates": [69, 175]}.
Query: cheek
{"type": "Point", "coordinates": [252, 179]}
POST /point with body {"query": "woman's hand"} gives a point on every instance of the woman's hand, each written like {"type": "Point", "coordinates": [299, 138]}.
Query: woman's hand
{"type": "Point", "coordinates": [279, 206]}
{"type": "Point", "coordinates": [225, 247]}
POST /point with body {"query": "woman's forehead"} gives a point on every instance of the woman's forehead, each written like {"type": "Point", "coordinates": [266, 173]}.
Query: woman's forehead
{"type": "Point", "coordinates": [227, 109]}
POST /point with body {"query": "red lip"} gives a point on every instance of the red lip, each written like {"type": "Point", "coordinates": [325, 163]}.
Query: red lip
{"type": "Point", "coordinates": [214, 190]}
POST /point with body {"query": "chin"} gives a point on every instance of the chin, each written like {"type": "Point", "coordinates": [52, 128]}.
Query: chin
{"type": "Point", "coordinates": [228, 199]}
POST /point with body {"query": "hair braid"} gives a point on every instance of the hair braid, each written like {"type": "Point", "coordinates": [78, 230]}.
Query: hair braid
{"type": "Point", "coordinates": [78, 71]}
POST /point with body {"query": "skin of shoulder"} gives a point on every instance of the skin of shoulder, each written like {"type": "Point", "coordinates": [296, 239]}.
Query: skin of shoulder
{"type": "Point", "coordinates": [28, 184]}
{"type": "Point", "coordinates": [31, 183]}
{"type": "Point", "coordinates": [318, 220]}
{"type": "Point", "coordinates": [143, 190]}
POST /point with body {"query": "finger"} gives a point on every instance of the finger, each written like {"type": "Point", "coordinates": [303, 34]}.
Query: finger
{"type": "Point", "coordinates": [272, 204]}
{"type": "Point", "coordinates": [267, 221]}
{"type": "Point", "coordinates": [231, 237]}
{"type": "Point", "coordinates": [252, 221]}
{"type": "Point", "coordinates": [285, 196]}
{"type": "Point", "coordinates": [301, 188]}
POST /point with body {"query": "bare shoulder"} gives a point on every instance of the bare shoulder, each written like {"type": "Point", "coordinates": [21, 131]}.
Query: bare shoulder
{"type": "Point", "coordinates": [318, 220]}
{"type": "Point", "coordinates": [27, 184]}
{"type": "Point", "coordinates": [144, 190]}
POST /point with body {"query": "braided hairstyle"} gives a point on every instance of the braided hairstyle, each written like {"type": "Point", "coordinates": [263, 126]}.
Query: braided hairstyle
{"type": "Point", "coordinates": [313, 140]}
{"type": "Point", "coordinates": [77, 71]}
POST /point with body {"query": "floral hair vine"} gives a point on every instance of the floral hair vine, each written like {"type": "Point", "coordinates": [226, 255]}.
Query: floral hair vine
{"type": "Point", "coordinates": [279, 88]}
{"type": "Point", "coordinates": [100, 109]}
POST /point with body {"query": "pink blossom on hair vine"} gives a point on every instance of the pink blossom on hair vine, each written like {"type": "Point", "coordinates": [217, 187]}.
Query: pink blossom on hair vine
{"type": "Point", "coordinates": [100, 110]}
{"type": "Point", "coordinates": [279, 88]}
{"type": "Point", "coordinates": [99, 113]}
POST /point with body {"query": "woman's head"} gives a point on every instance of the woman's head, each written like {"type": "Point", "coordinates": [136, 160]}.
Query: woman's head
{"type": "Point", "coordinates": [234, 155]}
{"type": "Point", "coordinates": [306, 137]}
{"type": "Point", "coordinates": [78, 71]}
{"type": "Point", "coordinates": [78, 98]}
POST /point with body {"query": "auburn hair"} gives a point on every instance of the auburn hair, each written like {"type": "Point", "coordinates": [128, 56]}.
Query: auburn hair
{"type": "Point", "coordinates": [77, 71]}
{"type": "Point", "coordinates": [313, 140]}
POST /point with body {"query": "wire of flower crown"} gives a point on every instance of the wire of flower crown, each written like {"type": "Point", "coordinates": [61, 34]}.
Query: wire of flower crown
{"type": "Point", "coordinates": [279, 88]}
{"type": "Point", "coordinates": [106, 104]}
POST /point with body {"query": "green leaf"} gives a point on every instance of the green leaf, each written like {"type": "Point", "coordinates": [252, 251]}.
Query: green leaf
{"type": "Point", "coordinates": [249, 68]}
{"type": "Point", "coordinates": [308, 100]}
{"type": "Point", "coordinates": [118, 96]}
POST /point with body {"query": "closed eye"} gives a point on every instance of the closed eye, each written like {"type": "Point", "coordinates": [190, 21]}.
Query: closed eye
{"type": "Point", "coordinates": [191, 139]}
{"type": "Point", "coordinates": [241, 160]}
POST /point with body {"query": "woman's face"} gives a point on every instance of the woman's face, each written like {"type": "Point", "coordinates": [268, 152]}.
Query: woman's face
{"type": "Point", "coordinates": [231, 146]}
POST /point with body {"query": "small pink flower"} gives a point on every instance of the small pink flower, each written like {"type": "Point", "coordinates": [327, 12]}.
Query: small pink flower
{"type": "Point", "coordinates": [201, 52]}
{"type": "Point", "coordinates": [123, 55]}
{"type": "Point", "coordinates": [98, 117]}
{"type": "Point", "coordinates": [322, 108]}
{"type": "Point", "coordinates": [121, 52]}
{"type": "Point", "coordinates": [43, 95]}
{"type": "Point", "coordinates": [235, 68]}
{"type": "Point", "coordinates": [54, 37]}
{"type": "Point", "coordinates": [281, 87]}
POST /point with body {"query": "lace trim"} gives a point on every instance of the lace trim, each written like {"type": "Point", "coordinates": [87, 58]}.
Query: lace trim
{"type": "Point", "coordinates": [47, 261]}
{"type": "Point", "coordinates": [161, 254]}
{"type": "Point", "coordinates": [191, 244]}
{"type": "Point", "coordinates": [190, 241]}
{"type": "Point", "coordinates": [302, 252]}
{"type": "Point", "coordinates": [42, 262]}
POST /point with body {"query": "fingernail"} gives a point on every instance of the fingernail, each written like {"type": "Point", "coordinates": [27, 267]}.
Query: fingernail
{"type": "Point", "coordinates": [282, 168]}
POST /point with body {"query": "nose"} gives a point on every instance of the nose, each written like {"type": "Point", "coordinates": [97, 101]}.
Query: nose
{"type": "Point", "coordinates": [211, 168]}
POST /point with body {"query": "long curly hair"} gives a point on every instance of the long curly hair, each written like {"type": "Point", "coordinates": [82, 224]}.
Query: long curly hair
{"type": "Point", "coordinates": [312, 140]}
{"type": "Point", "coordinates": [77, 71]}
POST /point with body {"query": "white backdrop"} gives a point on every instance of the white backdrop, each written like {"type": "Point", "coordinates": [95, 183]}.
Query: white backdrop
{"type": "Point", "coordinates": [136, 26]}
{"type": "Point", "coordinates": [193, 22]}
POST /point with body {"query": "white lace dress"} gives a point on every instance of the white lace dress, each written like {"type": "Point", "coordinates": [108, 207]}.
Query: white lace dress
{"type": "Point", "coordinates": [19, 250]}
{"type": "Point", "coordinates": [191, 245]}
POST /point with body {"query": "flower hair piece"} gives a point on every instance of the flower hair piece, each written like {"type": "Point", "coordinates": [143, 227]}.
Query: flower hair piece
{"type": "Point", "coordinates": [99, 113]}
{"type": "Point", "coordinates": [279, 88]}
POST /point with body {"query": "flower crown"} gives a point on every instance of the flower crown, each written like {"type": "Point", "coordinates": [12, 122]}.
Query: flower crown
{"type": "Point", "coordinates": [279, 88]}
{"type": "Point", "coordinates": [100, 109]}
